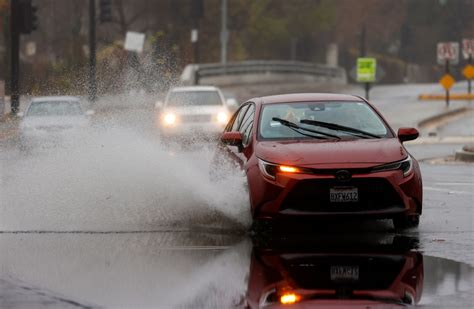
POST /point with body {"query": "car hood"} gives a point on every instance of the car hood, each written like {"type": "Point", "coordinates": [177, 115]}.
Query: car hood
{"type": "Point", "coordinates": [360, 151]}
{"type": "Point", "coordinates": [197, 110]}
{"type": "Point", "coordinates": [51, 121]}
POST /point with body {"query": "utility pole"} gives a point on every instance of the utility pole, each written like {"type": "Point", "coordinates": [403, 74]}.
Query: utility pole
{"type": "Point", "coordinates": [469, 86]}
{"type": "Point", "coordinates": [446, 71]}
{"type": "Point", "coordinates": [197, 11]}
{"type": "Point", "coordinates": [92, 52]}
{"type": "Point", "coordinates": [224, 32]}
{"type": "Point", "coordinates": [15, 56]}
{"type": "Point", "coordinates": [363, 52]}
{"type": "Point", "coordinates": [362, 48]}
{"type": "Point", "coordinates": [293, 45]}
{"type": "Point", "coordinates": [23, 20]}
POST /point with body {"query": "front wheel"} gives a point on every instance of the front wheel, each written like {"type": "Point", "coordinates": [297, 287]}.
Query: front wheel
{"type": "Point", "coordinates": [262, 226]}
{"type": "Point", "coordinates": [406, 222]}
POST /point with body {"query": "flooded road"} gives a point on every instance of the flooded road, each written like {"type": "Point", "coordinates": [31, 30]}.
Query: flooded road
{"type": "Point", "coordinates": [118, 221]}
{"type": "Point", "coordinates": [203, 270]}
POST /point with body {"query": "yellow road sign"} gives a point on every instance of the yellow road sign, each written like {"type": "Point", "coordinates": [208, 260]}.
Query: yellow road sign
{"type": "Point", "coordinates": [447, 81]}
{"type": "Point", "coordinates": [468, 71]}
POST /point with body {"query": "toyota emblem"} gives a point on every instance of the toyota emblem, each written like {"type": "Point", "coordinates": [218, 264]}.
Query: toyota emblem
{"type": "Point", "coordinates": [343, 175]}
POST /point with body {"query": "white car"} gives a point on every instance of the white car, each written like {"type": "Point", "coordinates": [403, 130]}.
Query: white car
{"type": "Point", "coordinates": [48, 120]}
{"type": "Point", "coordinates": [193, 112]}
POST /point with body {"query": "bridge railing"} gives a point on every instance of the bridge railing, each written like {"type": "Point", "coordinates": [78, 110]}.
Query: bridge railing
{"type": "Point", "coordinates": [193, 73]}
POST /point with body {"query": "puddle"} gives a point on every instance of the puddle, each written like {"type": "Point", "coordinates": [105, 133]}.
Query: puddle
{"type": "Point", "coordinates": [170, 269]}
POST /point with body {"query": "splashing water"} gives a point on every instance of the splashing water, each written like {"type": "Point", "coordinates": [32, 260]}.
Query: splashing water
{"type": "Point", "coordinates": [116, 179]}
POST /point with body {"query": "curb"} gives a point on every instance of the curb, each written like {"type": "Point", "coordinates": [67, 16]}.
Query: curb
{"type": "Point", "coordinates": [462, 155]}
{"type": "Point", "coordinates": [445, 140]}
{"type": "Point", "coordinates": [431, 121]}
{"type": "Point", "coordinates": [454, 96]}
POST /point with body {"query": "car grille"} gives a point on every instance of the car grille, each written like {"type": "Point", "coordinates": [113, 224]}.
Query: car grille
{"type": "Point", "coordinates": [313, 196]}
{"type": "Point", "coordinates": [313, 272]}
{"type": "Point", "coordinates": [196, 118]}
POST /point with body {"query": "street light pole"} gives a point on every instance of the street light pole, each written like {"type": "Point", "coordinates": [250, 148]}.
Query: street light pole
{"type": "Point", "coordinates": [14, 57]}
{"type": "Point", "coordinates": [224, 32]}
{"type": "Point", "coordinates": [363, 52]}
{"type": "Point", "coordinates": [92, 52]}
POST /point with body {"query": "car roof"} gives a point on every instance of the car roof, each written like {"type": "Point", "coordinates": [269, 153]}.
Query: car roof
{"type": "Point", "coordinates": [307, 97]}
{"type": "Point", "coordinates": [194, 88]}
{"type": "Point", "coordinates": [55, 98]}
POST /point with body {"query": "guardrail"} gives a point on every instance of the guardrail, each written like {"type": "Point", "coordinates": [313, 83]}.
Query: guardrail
{"type": "Point", "coordinates": [194, 72]}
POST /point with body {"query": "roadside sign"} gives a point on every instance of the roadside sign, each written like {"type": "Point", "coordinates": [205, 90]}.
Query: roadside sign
{"type": "Point", "coordinates": [194, 36]}
{"type": "Point", "coordinates": [30, 49]}
{"type": "Point", "coordinates": [448, 51]}
{"type": "Point", "coordinates": [379, 73]}
{"type": "Point", "coordinates": [134, 41]}
{"type": "Point", "coordinates": [468, 48]}
{"type": "Point", "coordinates": [366, 69]}
{"type": "Point", "coordinates": [2, 94]}
{"type": "Point", "coordinates": [447, 81]}
{"type": "Point", "coordinates": [468, 71]}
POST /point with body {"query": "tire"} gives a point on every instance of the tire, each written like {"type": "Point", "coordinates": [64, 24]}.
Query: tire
{"type": "Point", "coordinates": [262, 226]}
{"type": "Point", "coordinates": [406, 222]}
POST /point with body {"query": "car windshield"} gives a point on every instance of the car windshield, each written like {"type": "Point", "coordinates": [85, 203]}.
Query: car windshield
{"type": "Point", "coordinates": [194, 98]}
{"type": "Point", "coordinates": [55, 108]}
{"type": "Point", "coordinates": [356, 115]}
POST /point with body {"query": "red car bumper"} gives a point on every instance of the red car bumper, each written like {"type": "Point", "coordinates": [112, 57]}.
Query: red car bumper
{"type": "Point", "coordinates": [380, 195]}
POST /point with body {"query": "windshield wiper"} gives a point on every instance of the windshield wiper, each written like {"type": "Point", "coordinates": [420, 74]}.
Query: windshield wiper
{"type": "Point", "coordinates": [338, 127]}
{"type": "Point", "coordinates": [296, 128]}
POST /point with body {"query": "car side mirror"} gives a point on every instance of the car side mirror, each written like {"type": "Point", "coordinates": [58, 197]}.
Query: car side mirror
{"type": "Point", "coordinates": [407, 134]}
{"type": "Point", "coordinates": [233, 139]}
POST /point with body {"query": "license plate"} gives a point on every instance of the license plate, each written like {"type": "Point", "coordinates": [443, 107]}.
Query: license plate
{"type": "Point", "coordinates": [344, 273]}
{"type": "Point", "coordinates": [343, 195]}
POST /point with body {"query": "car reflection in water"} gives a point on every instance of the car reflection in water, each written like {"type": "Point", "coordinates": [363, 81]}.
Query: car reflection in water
{"type": "Point", "coordinates": [335, 272]}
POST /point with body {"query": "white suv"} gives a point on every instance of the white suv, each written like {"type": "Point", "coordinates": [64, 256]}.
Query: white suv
{"type": "Point", "coordinates": [193, 112]}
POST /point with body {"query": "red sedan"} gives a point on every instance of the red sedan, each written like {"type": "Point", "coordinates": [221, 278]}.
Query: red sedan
{"type": "Point", "coordinates": [323, 155]}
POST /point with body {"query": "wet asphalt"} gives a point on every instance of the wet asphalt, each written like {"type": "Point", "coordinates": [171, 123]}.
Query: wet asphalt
{"type": "Point", "coordinates": [196, 263]}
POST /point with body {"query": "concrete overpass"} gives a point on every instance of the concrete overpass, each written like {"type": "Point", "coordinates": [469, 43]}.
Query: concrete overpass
{"type": "Point", "coordinates": [258, 77]}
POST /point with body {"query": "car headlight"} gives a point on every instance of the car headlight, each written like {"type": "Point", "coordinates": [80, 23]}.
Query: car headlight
{"type": "Point", "coordinates": [406, 166]}
{"type": "Point", "coordinates": [270, 169]}
{"type": "Point", "coordinates": [222, 117]}
{"type": "Point", "coordinates": [169, 119]}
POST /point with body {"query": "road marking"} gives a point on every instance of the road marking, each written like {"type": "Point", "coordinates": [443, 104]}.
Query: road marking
{"type": "Point", "coordinates": [447, 190]}
{"type": "Point", "coordinates": [454, 183]}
